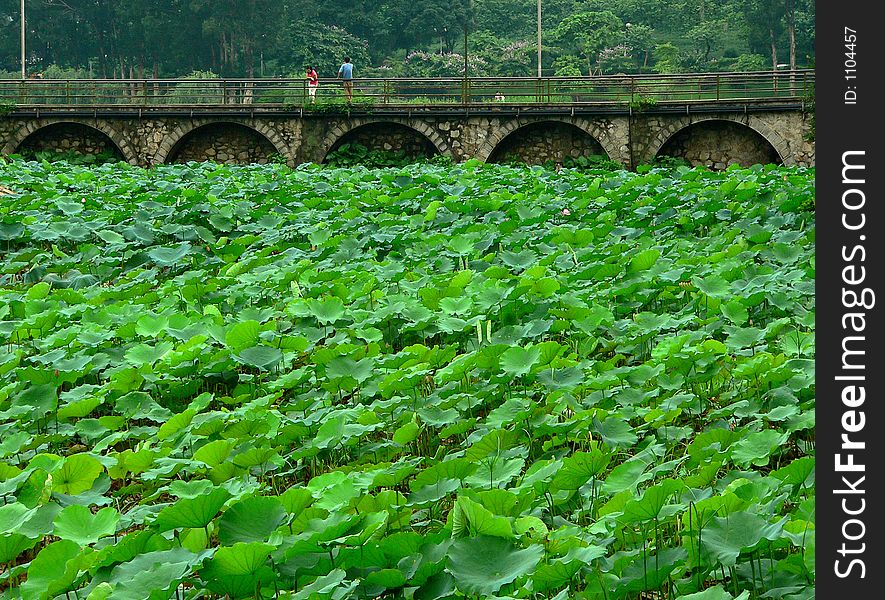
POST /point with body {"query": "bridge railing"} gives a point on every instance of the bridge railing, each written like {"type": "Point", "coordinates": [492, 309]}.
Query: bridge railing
{"type": "Point", "coordinates": [640, 91]}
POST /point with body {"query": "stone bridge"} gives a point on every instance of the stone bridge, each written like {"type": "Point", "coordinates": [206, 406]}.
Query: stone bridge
{"type": "Point", "coordinates": [714, 139]}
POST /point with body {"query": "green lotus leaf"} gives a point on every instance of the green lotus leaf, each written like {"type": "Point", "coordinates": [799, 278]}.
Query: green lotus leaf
{"type": "Point", "coordinates": [735, 311]}
{"type": "Point", "coordinates": [472, 518]}
{"type": "Point", "coordinates": [714, 286]}
{"type": "Point", "coordinates": [145, 354]}
{"type": "Point", "coordinates": [78, 524]}
{"type": "Point", "coordinates": [250, 520]}
{"type": "Point", "coordinates": [237, 570]}
{"type": "Point", "coordinates": [260, 357]}
{"type": "Point", "coordinates": [797, 472]}
{"type": "Point", "coordinates": [152, 574]}
{"type": "Point", "coordinates": [756, 448]}
{"type": "Point", "coordinates": [151, 326]}
{"type": "Point", "coordinates": [452, 469]}
{"type": "Point", "coordinates": [386, 578]}
{"type": "Point", "coordinates": [716, 592]}
{"type": "Point", "coordinates": [53, 571]}
{"type": "Point", "coordinates": [577, 469]}
{"type": "Point", "coordinates": [517, 361]}
{"type": "Point", "coordinates": [192, 512]}
{"type": "Point", "coordinates": [520, 261]}
{"type": "Point", "coordinates": [242, 335]}
{"type": "Point", "coordinates": [11, 231]}
{"type": "Point", "coordinates": [110, 237]}
{"type": "Point", "coordinates": [652, 502]}
{"type": "Point", "coordinates": [76, 474]}
{"type": "Point", "coordinates": [726, 537]}
{"type": "Point", "coordinates": [332, 490]}
{"type": "Point", "coordinates": [483, 565]}
{"type": "Point", "coordinates": [13, 516]}
{"type": "Point", "coordinates": [13, 544]}
{"type": "Point", "coordinates": [214, 453]}
{"type": "Point", "coordinates": [343, 366]}
{"type": "Point", "coordinates": [644, 261]}
{"type": "Point", "coordinates": [328, 310]}
{"type": "Point", "coordinates": [331, 585]}
{"type": "Point", "coordinates": [166, 257]}
{"type": "Point", "coordinates": [41, 399]}
{"type": "Point", "coordinates": [407, 433]}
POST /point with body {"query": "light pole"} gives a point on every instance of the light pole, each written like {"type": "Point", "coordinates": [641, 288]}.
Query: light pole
{"type": "Point", "coordinates": [24, 69]}
{"type": "Point", "coordinates": [539, 39]}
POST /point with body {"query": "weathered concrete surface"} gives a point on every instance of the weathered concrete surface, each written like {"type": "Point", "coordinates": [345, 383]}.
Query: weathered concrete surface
{"type": "Point", "coordinates": [711, 139]}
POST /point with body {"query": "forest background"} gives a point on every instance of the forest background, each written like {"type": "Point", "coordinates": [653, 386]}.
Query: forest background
{"type": "Point", "coordinates": [403, 38]}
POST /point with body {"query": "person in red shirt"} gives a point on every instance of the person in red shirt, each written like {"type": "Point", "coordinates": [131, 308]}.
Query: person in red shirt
{"type": "Point", "coordinates": [313, 82]}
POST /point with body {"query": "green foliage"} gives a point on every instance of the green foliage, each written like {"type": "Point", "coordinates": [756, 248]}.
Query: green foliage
{"type": "Point", "coordinates": [266, 38]}
{"type": "Point", "coordinates": [70, 157]}
{"type": "Point", "coordinates": [669, 58]}
{"type": "Point", "coordinates": [588, 34]}
{"type": "Point", "coordinates": [567, 66]}
{"type": "Point", "coordinates": [670, 162]}
{"type": "Point", "coordinates": [596, 163]}
{"type": "Point", "coordinates": [640, 103]}
{"type": "Point", "coordinates": [425, 380]}
{"type": "Point", "coordinates": [749, 62]}
{"type": "Point", "coordinates": [352, 154]}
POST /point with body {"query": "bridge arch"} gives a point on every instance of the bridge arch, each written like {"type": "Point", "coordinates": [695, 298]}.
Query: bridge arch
{"type": "Point", "coordinates": [761, 143]}
{"type": "Point", "coordinates": [421, 133]}
{"type": "Point", "coordinates": [597, 131]}
{"type": "Point", "coordinates": [91, 137]}
{"type": "Point", "coordinates": [259, 138]}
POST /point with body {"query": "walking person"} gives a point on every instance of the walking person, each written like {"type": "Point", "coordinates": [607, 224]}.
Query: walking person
{"type": "Point", "coordinates": [313, 82]}
{"type": "Point", "coordinates": [346, 73]}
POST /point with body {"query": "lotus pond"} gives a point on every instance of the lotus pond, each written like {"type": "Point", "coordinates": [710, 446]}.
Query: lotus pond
{"type": "Point", "coordinates": [424, 382]}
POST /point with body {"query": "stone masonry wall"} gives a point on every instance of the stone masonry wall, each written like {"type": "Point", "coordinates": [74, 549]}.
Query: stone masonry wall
{"type": "Point", "coordinates": [391, 138]}
{"type": "Point", "coordinates": [538, 143]}
{"type": "Point", "coordinates": [228, 143]}
{"type": "Point", "coordinates": [787, 132]}
{"type": "Point", "coordinates": [718, 144]}
{"type": "Point", "coordinates": [69, 137]}
{"type": "Point", "coordinates": [151, 140]}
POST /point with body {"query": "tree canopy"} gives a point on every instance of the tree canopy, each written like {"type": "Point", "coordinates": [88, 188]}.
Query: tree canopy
{"type": "Point", "coordinates": [251, 38]}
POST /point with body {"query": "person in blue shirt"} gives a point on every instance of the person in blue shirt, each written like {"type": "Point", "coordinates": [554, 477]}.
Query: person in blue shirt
{"type": "Point", "coordinates": [346, 73]}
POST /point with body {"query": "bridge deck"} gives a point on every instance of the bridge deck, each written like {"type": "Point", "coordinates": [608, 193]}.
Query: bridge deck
{"type": "Point", "coordinates": [698, 92]}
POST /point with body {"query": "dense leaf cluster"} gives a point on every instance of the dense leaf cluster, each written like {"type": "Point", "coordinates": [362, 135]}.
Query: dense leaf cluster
{"type": "Point", "coordinates": [235, 38]}
{"type": "Point", "coordinates": [424, 382]}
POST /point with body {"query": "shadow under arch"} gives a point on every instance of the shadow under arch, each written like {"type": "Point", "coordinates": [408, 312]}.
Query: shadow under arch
{"type": "Point", "coordinates": [718, 143]}
{"type": "Point", "coordinates": [414, 141]}
{"type": "Point", "coordinates": [539, 142]}
{"type": "Point", "coordinates": [65, 136]}
{"type": "Point", "coordinates": [228, 142]}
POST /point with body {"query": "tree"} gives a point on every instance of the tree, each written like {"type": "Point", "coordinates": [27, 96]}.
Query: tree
{"type": "Point", "coordinates": [668, 58]}
{"type": "Point", "coordinates": [171, 38]}
{"type": "Point", "coordinates": [567, 66]}
{"type": "Point", "coordinates": [764, 22]}
{"type": "Point", "coordinates": [300, 44]}
{"type": "Point", "coordinates": [640, 39]}
{"type": "Point", "coordinates": [704, 36]}
{"type": "Point", "coordinates": [588, 33]}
